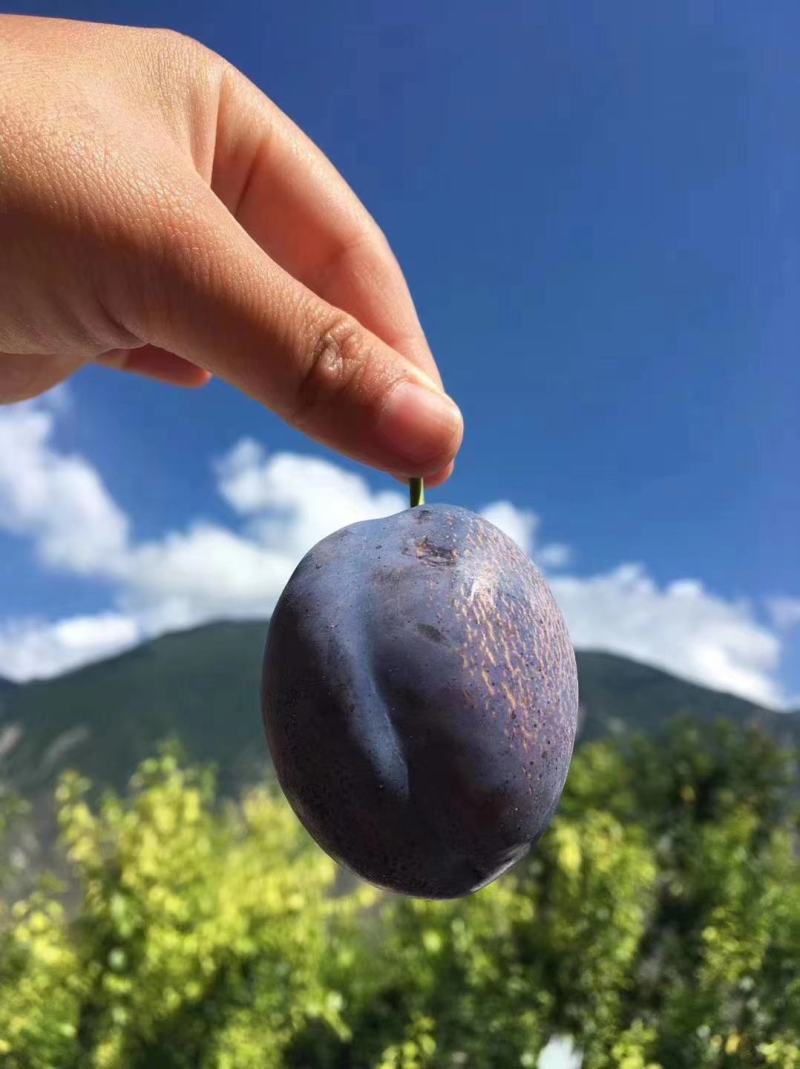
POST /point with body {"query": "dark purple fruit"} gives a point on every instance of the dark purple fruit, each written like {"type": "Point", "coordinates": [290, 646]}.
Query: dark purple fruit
{"type": "Point", "coordinates": [420, 698]}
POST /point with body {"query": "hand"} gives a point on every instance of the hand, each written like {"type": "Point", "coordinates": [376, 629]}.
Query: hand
{"type": "Point", "coordinates": [158, 214]}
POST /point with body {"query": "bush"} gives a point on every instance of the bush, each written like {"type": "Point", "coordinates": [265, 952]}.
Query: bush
{"type": "Point", "coordinates": [658, 925]}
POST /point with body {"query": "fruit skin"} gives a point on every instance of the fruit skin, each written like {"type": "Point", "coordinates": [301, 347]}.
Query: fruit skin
{"type": "Point", "coordinates": [420, 698]}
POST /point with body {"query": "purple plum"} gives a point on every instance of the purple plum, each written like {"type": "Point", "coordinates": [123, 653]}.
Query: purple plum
{"type": "Point", "coordinates": [420, 698]}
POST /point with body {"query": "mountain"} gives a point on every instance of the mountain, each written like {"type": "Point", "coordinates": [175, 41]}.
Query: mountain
{"type": "Point", "coordinates": [623, 695]}
{"type": "Point", "coordinates": [202, 687]}
{"type": "Point", "coordinates": [8, 733]}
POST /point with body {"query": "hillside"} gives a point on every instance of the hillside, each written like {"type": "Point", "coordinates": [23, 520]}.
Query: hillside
{"type": "Point", "coordinates": [202, 686]}
{"type": "Point", "coordinates": [624, 695]}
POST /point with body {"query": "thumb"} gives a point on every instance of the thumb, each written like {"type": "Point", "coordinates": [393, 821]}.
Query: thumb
{"type": "Point", "coordinates": [211, 295]}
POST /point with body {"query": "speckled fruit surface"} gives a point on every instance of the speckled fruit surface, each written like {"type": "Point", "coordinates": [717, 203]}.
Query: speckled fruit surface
{"type": "Point", "coordinates": [420, 698]}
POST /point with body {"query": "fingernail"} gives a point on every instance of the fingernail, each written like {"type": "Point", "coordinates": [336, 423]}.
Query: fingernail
{"type": "Point", "coordinates": [419, 425]}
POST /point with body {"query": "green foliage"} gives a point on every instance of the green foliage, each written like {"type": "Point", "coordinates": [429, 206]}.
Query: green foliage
{"type": "Point", "coordinates": [11, 809]}
{"type": "Point", "coordinates": [657, 924]}
{"type": "Point", "coordinates": [200, 938]}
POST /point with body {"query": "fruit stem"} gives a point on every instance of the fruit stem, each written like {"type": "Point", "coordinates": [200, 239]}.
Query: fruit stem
{"type": "Point", "coordinates": [417, 492]}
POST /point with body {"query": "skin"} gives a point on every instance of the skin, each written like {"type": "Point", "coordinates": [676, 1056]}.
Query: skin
{"type": "Point", "coordinates": [159, 215]}
{"type": "Point", "coordinates": [420, 698]}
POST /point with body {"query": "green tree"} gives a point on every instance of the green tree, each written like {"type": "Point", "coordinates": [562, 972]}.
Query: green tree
{"type": "Point", "coordinates": [657, 924]}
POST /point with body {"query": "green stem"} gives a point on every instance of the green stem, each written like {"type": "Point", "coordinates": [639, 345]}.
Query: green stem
{"type": "Point", "coordinates": [417, 492]}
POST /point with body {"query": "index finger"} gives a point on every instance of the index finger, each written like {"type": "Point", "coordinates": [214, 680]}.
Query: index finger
{"type": "Point", "coordinates": [291, 199]}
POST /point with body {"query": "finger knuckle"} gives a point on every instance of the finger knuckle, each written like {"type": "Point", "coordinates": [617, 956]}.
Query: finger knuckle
{"type": "Point", "coordinates": [184, 53]}
{"type": "Point", "coordinates": [381, 242]}
{"type": "Point", "coordinates": [168, 39]}
{"type": "Point", "coordinates": [334, 367]}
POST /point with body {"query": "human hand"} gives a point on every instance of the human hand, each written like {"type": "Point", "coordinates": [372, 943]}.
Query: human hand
{"type": "Point", "coordinates": [158, 214]}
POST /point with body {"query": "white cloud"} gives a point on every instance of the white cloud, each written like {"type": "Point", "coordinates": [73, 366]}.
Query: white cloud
{"type": "Point", "coordinates": [553, 555]}
{"type": "Point", "coordinates": [210, 571]}
{"type": "Point", "coordinates": [293, 501]}
{"type": "Point", "coordinates": [30, 649]}
{"type": "Point", "coordinates": [784, 612]}
{"type": "Point", "coordinates": [681, 627]}
{"type": "Point", "coordinates": [57, 500]}
{"type": "Point", "coordinates": [284, 503]}
{"type": "Point", "coordinates": [522, 526]}
{"type": "Point", "coordinates": [519, 524]}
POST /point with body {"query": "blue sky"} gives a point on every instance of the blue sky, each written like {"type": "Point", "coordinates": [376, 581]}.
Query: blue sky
{"type": "Point", "coordinates": [597, 210]}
